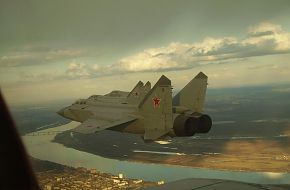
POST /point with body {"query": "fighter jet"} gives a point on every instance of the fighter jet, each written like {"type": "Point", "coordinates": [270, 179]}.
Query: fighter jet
{"type": "Point", "coordinates": [151, 113]}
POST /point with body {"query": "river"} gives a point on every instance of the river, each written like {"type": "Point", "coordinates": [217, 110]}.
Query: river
{"type": "Point", "coordinates": [42, 148]}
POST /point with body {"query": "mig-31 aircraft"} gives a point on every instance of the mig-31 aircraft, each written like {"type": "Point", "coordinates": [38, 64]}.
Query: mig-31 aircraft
{"type": "Point", "coordinates": [149, 112]}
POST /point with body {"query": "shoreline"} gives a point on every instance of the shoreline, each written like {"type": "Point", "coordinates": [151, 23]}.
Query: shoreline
{"type": "Point", "coordinates": [53, 175]}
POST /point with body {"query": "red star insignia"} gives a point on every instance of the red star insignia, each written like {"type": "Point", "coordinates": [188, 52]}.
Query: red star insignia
{"type": "Point", "coordinates": [156, 102]}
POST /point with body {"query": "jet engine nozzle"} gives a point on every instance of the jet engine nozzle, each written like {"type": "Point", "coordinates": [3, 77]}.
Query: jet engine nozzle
{"type": "Point", "coordinates": [188, 125]}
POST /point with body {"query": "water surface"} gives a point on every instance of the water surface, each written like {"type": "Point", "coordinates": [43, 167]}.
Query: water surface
{"type": "Point", "coordinates": [42, 148]}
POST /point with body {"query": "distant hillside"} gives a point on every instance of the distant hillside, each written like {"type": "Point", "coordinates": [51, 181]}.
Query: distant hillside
{"type": "Point", "coordinates": [33, 118]}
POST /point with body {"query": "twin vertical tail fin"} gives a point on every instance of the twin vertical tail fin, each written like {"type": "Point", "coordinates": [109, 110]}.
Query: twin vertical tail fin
{"type": "Point", "coordinates": [156, 107]}
{"type": "Point", "coordinates": [146, 87]}
{"type": "Point", "coordinates": [192, 96]}
{"type": "Point", "coordinates": [135, 96]}
{"type": "Point", "coordinates": [156, 110]}
{"type": "Point", "coordinates": [138, 92]}
{"type": "Point", "coordinates": [136, 89]}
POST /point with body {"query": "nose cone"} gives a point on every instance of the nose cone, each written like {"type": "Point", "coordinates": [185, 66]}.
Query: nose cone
{"type": "Point", "coordinates": [61, 112]}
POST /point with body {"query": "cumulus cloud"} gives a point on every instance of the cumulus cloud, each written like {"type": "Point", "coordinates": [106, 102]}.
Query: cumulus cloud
{"type": "Point", "coordinates": [82, 70]}
{"type": "Point", "coordinates": [262, 39]}
{"type": "Point", "coordinates": [269, 35]}
{"type": "Point", "coordinates": [264, 29]}
{"type": "Point", "coordinates": [77, 69]}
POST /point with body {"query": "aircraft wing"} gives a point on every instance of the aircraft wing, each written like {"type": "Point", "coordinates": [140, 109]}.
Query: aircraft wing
{"type": "Point", "coordinates": [214, 184]}
{"type": "Point", "coordinates": [95, 125]}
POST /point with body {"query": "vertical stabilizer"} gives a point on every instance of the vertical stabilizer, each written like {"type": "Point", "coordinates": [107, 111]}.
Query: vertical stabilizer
{"type": "Point", "coordinates": [147, 87]}
{"type": "Point", "coordinates": [192, 96]}
{"type": "Point", "coordinates": [135, 96]}
{"type": "Point", "coordinates": [156, 110]}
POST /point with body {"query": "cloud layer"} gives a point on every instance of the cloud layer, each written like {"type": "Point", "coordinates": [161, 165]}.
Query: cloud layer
{"type": "Point", "coordinates": [38, 54]}
{"type": "Point", "coordinates": [262, 39]}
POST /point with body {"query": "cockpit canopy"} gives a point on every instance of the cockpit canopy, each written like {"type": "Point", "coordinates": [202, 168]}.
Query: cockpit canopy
{"type": "Point", "coordinates": [94, 97]}
{"type": "Point", "coordinates": [80, 101]}
{"type": "Point", "coordinates": [117, 93]}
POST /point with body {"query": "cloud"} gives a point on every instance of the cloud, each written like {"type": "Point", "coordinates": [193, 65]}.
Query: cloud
{"type": "Point", "coordinates": [284, 90]}
{"type": "Point", "coordinates": [38, 54]}
{"type": "Point", "coordinates": [264, 29]}
{"type": "Point", "coordinates": [269, 36]}
{"type": "Point", "coordinates": [77, 70]}
{"type": "Point", "coordinates": [262, 39]}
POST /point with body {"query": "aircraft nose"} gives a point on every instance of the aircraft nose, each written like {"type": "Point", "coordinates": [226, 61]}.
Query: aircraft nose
{"type": "Point", "coordinates": [61, 112]}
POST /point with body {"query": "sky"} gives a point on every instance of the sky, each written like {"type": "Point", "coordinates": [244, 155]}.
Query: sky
{"type": "Point", "coordinates": [67, 49]}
